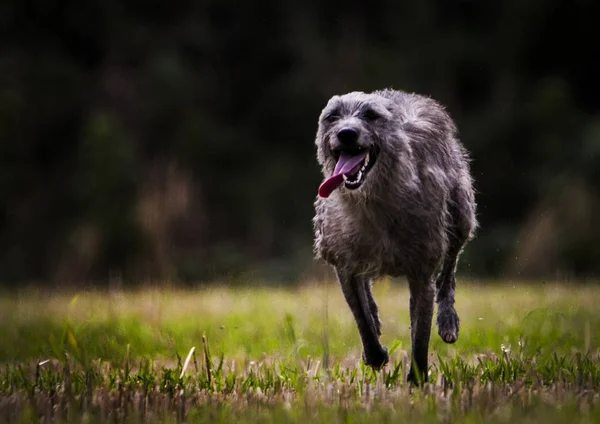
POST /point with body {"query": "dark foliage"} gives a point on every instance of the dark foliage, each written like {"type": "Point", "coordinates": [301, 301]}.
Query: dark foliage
{"type": "Point", "coordinates": [175, 139]}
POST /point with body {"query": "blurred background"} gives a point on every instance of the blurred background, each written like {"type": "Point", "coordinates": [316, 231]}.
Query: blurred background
{"type": "Point", "coordinates": [155, 140]}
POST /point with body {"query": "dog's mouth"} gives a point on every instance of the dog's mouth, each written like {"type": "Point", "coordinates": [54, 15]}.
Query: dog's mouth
{"type": "Point", "coordinates": [351, 169]}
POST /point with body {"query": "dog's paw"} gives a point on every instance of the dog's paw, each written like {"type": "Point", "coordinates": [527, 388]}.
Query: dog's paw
{"type": "Point", "coordinates": [448, 324]}
{"type": "Point", "coordinates": [415, 378]}
{"type": "Point", "coordinates": [376, 358]}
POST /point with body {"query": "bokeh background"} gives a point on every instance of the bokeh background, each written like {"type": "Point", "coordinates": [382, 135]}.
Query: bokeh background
{"type": "Point", "coordinates": [155, 140]}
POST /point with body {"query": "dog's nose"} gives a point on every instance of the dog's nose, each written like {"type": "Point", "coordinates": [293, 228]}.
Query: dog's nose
{"type": "Point", "coordinates": [347, 136]}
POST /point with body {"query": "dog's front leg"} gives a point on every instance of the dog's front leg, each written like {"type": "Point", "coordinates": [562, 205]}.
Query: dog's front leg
{"type": "Point", "coordinates": [421, 314]}
{"type": "Point", "coordinates": [355, 291]}
{"type": "Point", "coordinates": [373, 306]}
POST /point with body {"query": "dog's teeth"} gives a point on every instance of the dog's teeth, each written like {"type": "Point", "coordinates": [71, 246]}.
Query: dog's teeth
{"type": "Point", "coordinates": [366, 163]}
{"type": "Point", "coordinates": [345, 177]}
{"type": "Point", "coordinates": [356, 181]}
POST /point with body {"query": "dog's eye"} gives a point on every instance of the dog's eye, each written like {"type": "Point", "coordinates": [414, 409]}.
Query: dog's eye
{"type": "Point", "coordinates": [370, 115]}
{"type": "Point", "coordinates": [331, 117]}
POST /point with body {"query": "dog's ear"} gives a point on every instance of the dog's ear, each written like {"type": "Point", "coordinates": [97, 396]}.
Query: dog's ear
{"type": "Point", "coordinates": [390, 107]}
{"type": "Point", "coordinates": [378, 109]}
{"type": "Point", "coordinates": [388, 110]}
{"type": "Point", "coordinates": [331, 106]}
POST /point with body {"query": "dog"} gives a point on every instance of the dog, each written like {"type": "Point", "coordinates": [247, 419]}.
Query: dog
{"type": "Point", "coordinates": [397, 200]}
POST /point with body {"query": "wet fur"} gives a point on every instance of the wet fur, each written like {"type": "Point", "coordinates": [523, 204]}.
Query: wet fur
{"type": "Point", "coordinates": [412, 216]}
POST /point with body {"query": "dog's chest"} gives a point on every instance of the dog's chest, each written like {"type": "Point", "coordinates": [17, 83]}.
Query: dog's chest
{"type": "Point", "coordinates": [365, 240]}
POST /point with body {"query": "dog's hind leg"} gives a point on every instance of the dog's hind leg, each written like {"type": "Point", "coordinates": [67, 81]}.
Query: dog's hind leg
{"type": "Point", "coordinates": [460, 230]}
{"type": "Point", "coordinates": [421, 314]}
{"type": "Point", "coordinates": [362, 305]}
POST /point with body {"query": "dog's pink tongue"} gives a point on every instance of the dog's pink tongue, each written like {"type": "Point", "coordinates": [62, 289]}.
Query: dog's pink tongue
{"type": "Point", "coordinates": [347, 164]}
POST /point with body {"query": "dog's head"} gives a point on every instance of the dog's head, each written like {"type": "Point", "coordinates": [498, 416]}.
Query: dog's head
{"type": "Point", "coordinates": [350, 139]}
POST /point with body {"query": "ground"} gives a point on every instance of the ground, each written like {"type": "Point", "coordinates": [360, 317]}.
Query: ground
{"type": "Point", "coordinates": [527, 352]}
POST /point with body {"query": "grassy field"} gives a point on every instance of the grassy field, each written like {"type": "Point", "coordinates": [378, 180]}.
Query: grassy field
{"type": "Point", "coordinates": [526, 353]}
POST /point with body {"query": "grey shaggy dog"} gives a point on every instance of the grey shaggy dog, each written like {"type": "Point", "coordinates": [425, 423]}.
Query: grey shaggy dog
{"type": "Point", "coordinates": [397, 200]}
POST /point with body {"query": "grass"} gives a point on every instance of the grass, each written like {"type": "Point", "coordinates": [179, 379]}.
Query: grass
{"type": "Point", "coordinates": [526, 353]}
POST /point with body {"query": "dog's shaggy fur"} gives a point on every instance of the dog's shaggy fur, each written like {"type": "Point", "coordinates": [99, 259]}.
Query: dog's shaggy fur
{"type": "Point", "coordinates": [412, 215]}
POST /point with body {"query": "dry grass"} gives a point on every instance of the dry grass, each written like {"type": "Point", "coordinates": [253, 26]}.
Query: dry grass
{"type": "Point", "coordinates": [527, 353]}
